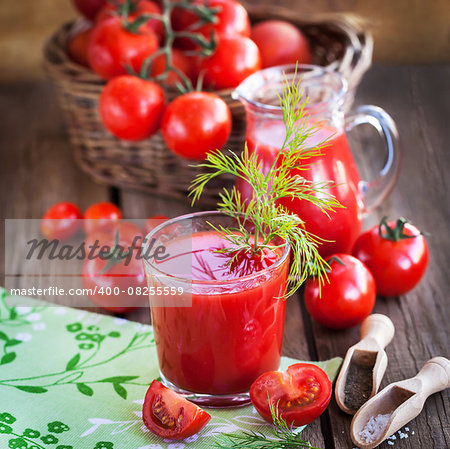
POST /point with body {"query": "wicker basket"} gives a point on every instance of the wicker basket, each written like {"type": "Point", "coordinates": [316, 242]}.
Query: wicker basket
{"type": "Point", "coordinates": [149, 165]}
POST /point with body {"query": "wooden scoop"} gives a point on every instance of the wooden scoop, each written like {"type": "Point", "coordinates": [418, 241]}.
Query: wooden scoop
{"type": "Point", "coordinates": [367, 361]}
{"type": "Point", "coordinates": [400, 402]}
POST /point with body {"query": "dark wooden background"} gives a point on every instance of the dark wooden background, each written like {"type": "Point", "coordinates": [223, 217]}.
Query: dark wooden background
{"type": "Point", "coordinates": [407, 31]}
{"type": "Point", "coordinates": [37, 169]}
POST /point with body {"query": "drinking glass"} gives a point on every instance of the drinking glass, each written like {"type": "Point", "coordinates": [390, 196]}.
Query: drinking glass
{"type": "Point", "coordinates": [219, 334]}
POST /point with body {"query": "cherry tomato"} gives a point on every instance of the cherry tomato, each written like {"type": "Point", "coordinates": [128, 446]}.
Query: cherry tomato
{"type": "Point", "coordinates": [117, 288]}
{"type": "Point", "coordinates": [196, 123]}
{"type": "Point", "coordinates": [232, 20]}
{"type": "Point", "coordinates": [89, 8]}
{"type": "Point", "coordinates": [180, 61]}
{"type": "Point", "coordinates": [280, 42]}
{"type": "Point", "coordinates": [96, 240]}
{"type": "Point", "coordinates": [131, 108]}
{"type": "Point", "coordinates": [77, 47]}
{"type": "Point", "coordinates": [235, 58]}
{"type": "Point", "coordinates": [139, 8]}
{"type": "Point", "coordinates": [128, 231]}
{"type": "Point", "coordinates": [168, 415]}
{"type": "Point", "coordinates": [302, 393]}
{"type": "Point", "coordinates": [152, 222]}
{"type": "Point", "coordinates": [61, 221]}
{"type": "Point", "coordinates": [112, 48]}
{"type": "Point", "coordinates": [101, 216]}
{"type": "Point", "coordinates": [396, 253]}
{"type": "Point", "coordinates": [347, 298]}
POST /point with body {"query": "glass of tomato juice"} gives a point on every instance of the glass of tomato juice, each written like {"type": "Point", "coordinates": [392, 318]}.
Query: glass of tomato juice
{"type": "Point", "coordinates": [217, 325]}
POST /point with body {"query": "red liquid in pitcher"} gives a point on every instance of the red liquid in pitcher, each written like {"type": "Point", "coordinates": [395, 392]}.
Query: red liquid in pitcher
{"type": "Point", "coordinates": [233, 331]}
{"type": "Point", "coordinates": [336, 164]}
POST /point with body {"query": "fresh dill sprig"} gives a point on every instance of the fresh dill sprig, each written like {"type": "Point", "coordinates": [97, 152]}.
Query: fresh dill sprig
{"type": "Point", "coordinates": [281, 436]}
{"type": "Point", "coordinates": [268, 218]}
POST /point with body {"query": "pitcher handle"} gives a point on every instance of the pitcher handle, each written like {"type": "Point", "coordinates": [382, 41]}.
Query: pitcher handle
{"type": "Point", "coordinates": [375, 191]}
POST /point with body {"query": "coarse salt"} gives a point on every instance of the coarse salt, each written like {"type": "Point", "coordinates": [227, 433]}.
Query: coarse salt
{"type": "Point", "coordinates": [402, 435]}
{"type": "Point", "coordinates": [374, 428]}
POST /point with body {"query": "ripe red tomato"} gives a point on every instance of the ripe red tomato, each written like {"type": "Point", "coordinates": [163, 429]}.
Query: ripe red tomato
{"type": "Point", "coordinates": [280, 43]}
{"type": "Point", "coordinates": [112, 48]}
{"type": "Point", "coordinates": [302, 393]}
{"type": "Point", "coordinates": [235, 58]}
{"type": "Point", "coordinates": [232, 20]}
{"type": "Point", "coordinates": [396, 260]}
{"type": "Point", "coordinates": [128, 231]}
{"type": "Point", "coordinates": [152, 222]}
{"type": "Point", "coordinates": [139, 8]}
{"type": "Point", "coordinates": [61, 221]}
{"type": "Point", "coordinates": [118, 288]}
{"type": "Point", "coordinates": [347, 298]}
{"type": "Point", "coordinates": [180, 61]}
{"type": "Point", "coordinates": [131, 108]}
{"type": "Point", "coordinates": [89, 8]}
{"type": "Point", "coordinates": [196, 123]}
{"type": "Point", "coordinates": [101, 216]}
{"type": "Point", "coordinates": [168, 415]}
{"type": "Point", "coordinates": [77, 47]}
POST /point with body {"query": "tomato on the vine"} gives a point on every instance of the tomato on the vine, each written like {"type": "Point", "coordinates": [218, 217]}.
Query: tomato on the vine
{"type": "Point", "coordinates": [101, 216]}
{"type": "Point", "coordinates": [116, 280]}
{"type": "Point", "coordinates": [195, 124]}
{"type": "Point", "coordinates": [179, 61]}
{"type": "Point", "coordinates": [347, 298]}
{"type": "Point", "coordinates": [131, 108]}
{"type": "Point", "coordinates": [168, 415]}
{"type": "Point", "coordinates": [396, 253]}
{"type": "Point", "coordinates": [61, 221]}
{"type": "Point", "coordinates": [138, 8]}
{"type": "Point", "coordinates": [235, 58]}
{"type": "Point", "coordinates": [89, 8]}
{"type": "Point", "coordinates": [301, 393]}
{"type": "Point", "coordinates": [78, 45]}
{"type": "Point", "coordinates": [280, 42]}
{"type": "Point", "coordinates": [231, 20]}
{"type": "Point", "coordinates": [112, 48]}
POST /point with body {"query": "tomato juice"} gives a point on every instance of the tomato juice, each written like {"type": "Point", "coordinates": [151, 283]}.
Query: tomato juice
{"type": "Point", "coordinates": [335, 164]}
{"type": "Point", "coordinates": [233, 330]}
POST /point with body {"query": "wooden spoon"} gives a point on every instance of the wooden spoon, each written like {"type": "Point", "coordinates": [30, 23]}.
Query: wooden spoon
{"type": "Point", "coordinates": [400, 402]}
{"type": "Point", "coordinates": [369, 359]}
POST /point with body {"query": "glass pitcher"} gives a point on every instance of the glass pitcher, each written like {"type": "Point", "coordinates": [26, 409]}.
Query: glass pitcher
{"type": "Point", "coordinates": [326, 91]}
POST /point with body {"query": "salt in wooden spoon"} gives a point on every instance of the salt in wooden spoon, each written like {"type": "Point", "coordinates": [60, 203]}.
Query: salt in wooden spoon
{"type": "Point", "coordinates": [364, 364]}
{"type": "Point", "coordinates": [398, 403]}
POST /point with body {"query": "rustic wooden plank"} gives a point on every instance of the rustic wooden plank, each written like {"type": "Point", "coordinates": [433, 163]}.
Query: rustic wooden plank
{"type": "Point", "coordinates": [418, 98]}
{"type": "Point", "coordinates": [38, 168]}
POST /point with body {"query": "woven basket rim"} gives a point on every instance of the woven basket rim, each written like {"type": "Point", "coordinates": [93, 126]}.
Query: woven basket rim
{"type": "Point", "coordinates": [356, 60]}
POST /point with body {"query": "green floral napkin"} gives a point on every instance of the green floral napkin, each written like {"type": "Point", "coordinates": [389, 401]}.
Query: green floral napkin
{"type": "Point", "coordinates": [71, 379]}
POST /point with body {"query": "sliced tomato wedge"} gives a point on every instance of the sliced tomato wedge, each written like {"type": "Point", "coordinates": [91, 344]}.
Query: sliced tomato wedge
{"type": "Point", "coordinates": [301, 393]}
{"type": "Point", "coordinates": [168, 415]}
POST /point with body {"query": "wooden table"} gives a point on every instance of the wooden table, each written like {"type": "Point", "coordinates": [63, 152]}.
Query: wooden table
{"type": "Point", "coordinates": [37, 170]}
